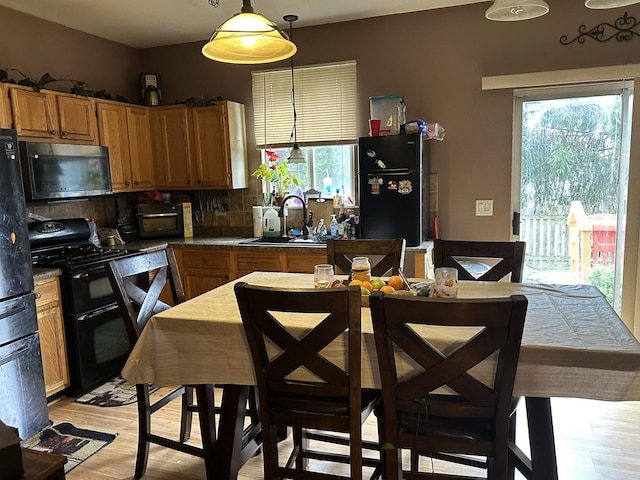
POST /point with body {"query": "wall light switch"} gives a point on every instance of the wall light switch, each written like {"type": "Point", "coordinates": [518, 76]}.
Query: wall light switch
{"type": "Point", "coordinates": [484, 208]}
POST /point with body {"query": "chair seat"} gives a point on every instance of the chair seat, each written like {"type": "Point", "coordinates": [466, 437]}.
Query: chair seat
{"type": "Point", "coordinates": [322, 405]}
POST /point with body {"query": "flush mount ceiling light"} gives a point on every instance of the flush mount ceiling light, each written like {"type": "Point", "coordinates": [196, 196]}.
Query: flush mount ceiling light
{"type": "Point", "coordinates": [248, 38]}
{"type": "Point", "coordinates": [514, 10]}
{"type": "Point", "coordinates": [599, 4]}
{"type": "Point", "coordinates": [295, 155]}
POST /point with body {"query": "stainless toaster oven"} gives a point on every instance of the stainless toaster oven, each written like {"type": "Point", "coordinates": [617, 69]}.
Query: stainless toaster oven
{"type": "Point", "coordinates": [160, 220]}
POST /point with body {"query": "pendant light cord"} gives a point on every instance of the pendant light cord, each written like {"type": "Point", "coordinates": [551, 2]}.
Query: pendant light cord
{"type": "Point", "coordinates": [294, 132]}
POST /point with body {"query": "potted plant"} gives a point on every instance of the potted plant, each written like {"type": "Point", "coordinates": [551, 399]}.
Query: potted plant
{"type": "Point", "coordinates": [276, 171]}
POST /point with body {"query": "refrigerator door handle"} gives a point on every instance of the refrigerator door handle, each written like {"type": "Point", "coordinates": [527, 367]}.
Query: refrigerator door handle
{"type": "Point", "coordinates": [391, 171]}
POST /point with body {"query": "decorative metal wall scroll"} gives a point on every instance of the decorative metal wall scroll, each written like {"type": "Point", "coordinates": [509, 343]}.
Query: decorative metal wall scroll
{"type": "Point", "coordinates": [622, 30]}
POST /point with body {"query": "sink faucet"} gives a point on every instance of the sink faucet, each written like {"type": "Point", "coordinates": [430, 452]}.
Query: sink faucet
{"type": "Point", "coordinates": [304, 212]}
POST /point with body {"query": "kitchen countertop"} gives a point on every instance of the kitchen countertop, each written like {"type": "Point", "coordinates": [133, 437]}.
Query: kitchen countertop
{"type": "Point", "coordinates": [44, 273]}
{"type": "Point", "coordinates": [235, 242]}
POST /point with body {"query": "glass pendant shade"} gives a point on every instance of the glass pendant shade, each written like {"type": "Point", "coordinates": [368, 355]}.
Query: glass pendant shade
{"type": "Point", "coordinates": [514, 10]}
{"type": "Point", "coordinates": [599, 4]}
{"type": "Point", "coordinates": [296, 155]}
{"type": "Point", "coordinates": [248, 38]}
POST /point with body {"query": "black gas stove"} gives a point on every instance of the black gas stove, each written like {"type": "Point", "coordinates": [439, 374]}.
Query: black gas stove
{"type": "Point", "coordinates": [65, 244]}
{"type": "Point", "coordinates": [96, 338]}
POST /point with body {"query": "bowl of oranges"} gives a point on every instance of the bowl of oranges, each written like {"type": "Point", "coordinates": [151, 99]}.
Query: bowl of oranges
{"type": "Point", "coordinates": [394, 285]}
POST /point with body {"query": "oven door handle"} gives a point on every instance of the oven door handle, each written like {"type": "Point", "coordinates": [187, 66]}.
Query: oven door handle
{"type": "Point", "coordinates": [96, 313]}
{"type": "Point", "coordinates": [154, 215]}
{"type": "Point", "coordinates": [88, 272]}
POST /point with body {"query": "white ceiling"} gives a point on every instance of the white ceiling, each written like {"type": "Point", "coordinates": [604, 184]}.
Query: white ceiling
{"type": "Point", "coordinates": [149, 23]}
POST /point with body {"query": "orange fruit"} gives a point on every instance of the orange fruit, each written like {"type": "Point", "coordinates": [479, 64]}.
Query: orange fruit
{"type": "Point", "coordinates": [396, 282]}
{"type": "Point", "coordinates": [367, 285]}
{"type": "Point", "coordinates": [355, 282]}
{"type": "Point", "coordinates": [387, 289]}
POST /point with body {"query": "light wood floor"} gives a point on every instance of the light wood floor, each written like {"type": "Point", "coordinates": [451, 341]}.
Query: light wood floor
{"type": "Point", "coordinates": [594, 441]}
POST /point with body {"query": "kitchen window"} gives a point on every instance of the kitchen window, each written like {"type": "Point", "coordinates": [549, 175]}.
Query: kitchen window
{"type": "Point", "coordinates": [325, 104]}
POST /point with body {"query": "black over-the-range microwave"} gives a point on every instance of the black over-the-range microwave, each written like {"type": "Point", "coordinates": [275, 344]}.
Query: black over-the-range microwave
{"type": "Point", "coordinates": [57, 171]}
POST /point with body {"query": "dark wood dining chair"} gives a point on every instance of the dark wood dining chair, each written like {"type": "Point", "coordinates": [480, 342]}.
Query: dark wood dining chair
{"type": "Point", "coordinates": [509, 258]}
{"type": "Point", "coordinates": [385, 255]}
{"type": "Point", "coordinates": [281, 346]}
{"type": "Point", "coordinates": [138, 282]}
{"type": "Point", "coordinates": [439, 408]}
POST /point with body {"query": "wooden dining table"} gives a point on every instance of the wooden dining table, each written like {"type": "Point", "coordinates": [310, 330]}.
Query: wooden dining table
{"type": "Point", "coordinates": [574, 345]}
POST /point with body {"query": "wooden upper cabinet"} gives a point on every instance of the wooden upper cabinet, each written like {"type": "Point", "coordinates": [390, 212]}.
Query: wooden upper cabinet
{"type": "Point", "coordinates": [171, 135]}
{"type": "Point", "coordinates": [112, 124]}
{"type": "Point", "coordinates": [6, 118]}
{"type": "Point", "coordinates": [53, 116]}
{"type": "Point", "coordinates": [140, 147]}
{"type": "Point", "coordinates": [125, 130]}
{"type": "Point", "coordinates": [220, 146]}
{"type": "Point", "coordinates": [77, 118]}
{"type": "Point", "coordinates": [202, 147]}
{"type": "Point", "coordinates": [34, 113]}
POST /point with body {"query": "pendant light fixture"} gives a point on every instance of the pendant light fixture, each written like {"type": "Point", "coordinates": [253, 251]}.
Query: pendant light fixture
{"type": "Point", "coordinates": [514, 10]}
{"type": "Point", "coordinates": [295, 155]}
{"type": "Point", "coordinates": [600, 4]}
{"type": "Point", "coordinates": [248, 38]}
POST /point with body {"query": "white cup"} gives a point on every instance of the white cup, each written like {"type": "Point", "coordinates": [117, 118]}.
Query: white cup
{"type": "Point", "coordinates": [323, 275]}
{"type": "Point", "coordinates": [446, 284]}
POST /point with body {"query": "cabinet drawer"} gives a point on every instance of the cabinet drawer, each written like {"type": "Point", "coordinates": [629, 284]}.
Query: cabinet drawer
{"type": "Point", "coordinates": [46, 292]}
{"type": "Point", "coordinates": [202, 258]}
{"type": "Point", "coordinates": [249, 262]}
{"type": "Point", "coordinates": [304, 263]}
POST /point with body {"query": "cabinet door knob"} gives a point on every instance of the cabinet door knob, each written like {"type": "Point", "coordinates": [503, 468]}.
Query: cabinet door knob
{"type": "Point", "coordinates": [53, 132]}
{"type": "Point", "coordinates": [64, 133]}
{"type": "Point", "coordinates": [38, 294]}
{"type": "Point", "coordinates": [126, 183]}
{"type": "Point", "coordinates": [204, 260]}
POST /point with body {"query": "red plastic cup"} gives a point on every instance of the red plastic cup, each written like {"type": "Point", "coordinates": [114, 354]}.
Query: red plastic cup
{"type": "Point", "coordinates": [374, 128]}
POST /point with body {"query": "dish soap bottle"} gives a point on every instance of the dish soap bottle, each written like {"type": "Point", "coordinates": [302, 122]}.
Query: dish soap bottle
{"type": "Point", "coordinates": [333, 226]}
{"type": "Point", "coordinates": [271, 223]}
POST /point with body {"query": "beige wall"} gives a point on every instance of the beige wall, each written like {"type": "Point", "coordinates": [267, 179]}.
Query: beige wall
{"type": "Point", "coordinates": [436, 60]}
{"type": "Point", "coordinates": [35, 47]}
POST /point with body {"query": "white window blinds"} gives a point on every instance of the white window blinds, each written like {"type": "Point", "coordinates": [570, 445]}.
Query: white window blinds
{"type": "Point", "coordinates": [325, 105]}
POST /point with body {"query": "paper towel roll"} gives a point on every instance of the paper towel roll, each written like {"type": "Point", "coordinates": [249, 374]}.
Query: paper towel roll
{"type": "Point", "coordinates": [257, 221]}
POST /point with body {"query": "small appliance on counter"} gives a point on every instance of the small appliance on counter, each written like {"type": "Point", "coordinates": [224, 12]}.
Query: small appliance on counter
{"type": "Point", "coordinates": [160, 220]}
{"type": "Point", "coordinates": [127, 232]}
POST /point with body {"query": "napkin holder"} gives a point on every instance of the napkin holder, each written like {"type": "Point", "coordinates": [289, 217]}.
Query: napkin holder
{"type": "Point", "coordinates": [10, 453]}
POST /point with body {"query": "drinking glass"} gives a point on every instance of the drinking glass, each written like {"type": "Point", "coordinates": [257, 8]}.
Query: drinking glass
{"type": "Point", "coordinates": [323, 275]}
{"type": "Point", "coordinates": [446, 284]}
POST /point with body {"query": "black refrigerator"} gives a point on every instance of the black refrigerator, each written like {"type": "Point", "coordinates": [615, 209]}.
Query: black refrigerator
{"type": "Point", "coordinates": [23, 401]}
{"type": "Point", "coordinates": [394, 187]}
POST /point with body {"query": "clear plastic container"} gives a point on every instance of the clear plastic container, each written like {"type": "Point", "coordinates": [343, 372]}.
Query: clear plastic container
{"type": "Point", "coordinates": [385, 109]}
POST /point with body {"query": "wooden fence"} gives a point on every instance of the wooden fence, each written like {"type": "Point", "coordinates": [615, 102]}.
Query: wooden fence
{"type": "Point", "coordinates": [547, 241]}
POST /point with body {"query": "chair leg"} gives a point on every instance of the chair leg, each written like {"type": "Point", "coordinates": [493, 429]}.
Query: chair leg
{"type": "Point", "coordinates": [144, 429]}
{"type": "Point", "coordinates": [186, 416]}
{"type": "Point", "coordinates": [206, 415]}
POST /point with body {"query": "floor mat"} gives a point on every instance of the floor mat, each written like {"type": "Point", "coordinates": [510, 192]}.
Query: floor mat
{"type": "Point", "coordinates": [113, 393]}
{"type": "Point", "coordinates": [74, 443]}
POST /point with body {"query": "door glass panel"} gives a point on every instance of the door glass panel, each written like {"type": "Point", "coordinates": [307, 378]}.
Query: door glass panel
{"type": "Point", "coordinates": [574, 157]}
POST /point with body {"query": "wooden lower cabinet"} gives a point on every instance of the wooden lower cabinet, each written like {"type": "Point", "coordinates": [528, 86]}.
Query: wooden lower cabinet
{"type": "Point", "coordinates": [52, 338]}
{"type": "Point", "coordinates": [205, 268]}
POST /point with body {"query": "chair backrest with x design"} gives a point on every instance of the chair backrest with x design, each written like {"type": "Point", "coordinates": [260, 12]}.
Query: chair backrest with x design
{"type": "Point", "coordinates": [263, 310]}
{"type": "Point", "coordinates": [139, 281]}
{"type": "Point", "coordinates": [300, 384]}
{"type": "Point", "coordinates": [385, 255]}
{"type": "Point", "coordinates": [508, 255]}
{"type": "Point", "coordinates": [440, 405]}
